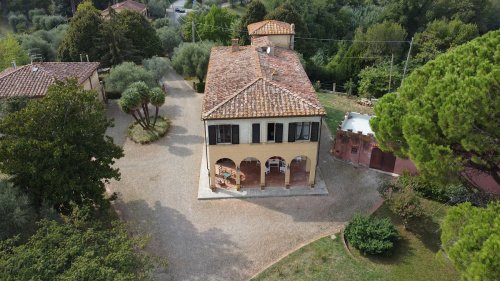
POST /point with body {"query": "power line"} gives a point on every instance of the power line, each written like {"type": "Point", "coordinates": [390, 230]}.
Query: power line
{"type": "Point", "coordinates": [353, 40]}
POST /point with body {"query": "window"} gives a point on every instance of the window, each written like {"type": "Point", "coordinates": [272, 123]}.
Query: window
{"type": "Point", "coordinates": [224, 134]}
{"type": "Point", "coordinates": [256, 133]}
{"type": "Point", "coordinates": [354, 150]}
{"type": "Point", "coordinates": [303, 130]}
{"type": "Point", "coordinates": [271, 131]}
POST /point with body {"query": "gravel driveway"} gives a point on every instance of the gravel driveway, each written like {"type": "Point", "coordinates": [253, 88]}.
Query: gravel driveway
{"type": "Point", "coordinates": [228, 239]}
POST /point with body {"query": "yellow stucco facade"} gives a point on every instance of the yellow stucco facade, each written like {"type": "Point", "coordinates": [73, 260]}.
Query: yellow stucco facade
{"type": "Point", "coordinates": [262, 152]}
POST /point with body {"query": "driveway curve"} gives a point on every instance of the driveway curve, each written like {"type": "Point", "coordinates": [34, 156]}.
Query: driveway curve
{"type": "Point", "coordinates": [230, 239]}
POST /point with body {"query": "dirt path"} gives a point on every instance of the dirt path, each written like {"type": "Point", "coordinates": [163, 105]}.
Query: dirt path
{"type": "Point", "coordinates": [221, 239]}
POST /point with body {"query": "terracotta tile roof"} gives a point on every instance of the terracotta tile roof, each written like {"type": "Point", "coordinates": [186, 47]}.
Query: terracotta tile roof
{"type": "Point", "coordinates": [252, 83]}
{"type": "Point", "coordinates": [33, 80]}
{"type": "Point", "coordinates": [126, 5]}
{"type": "Point", "coordinates": [270, 27]}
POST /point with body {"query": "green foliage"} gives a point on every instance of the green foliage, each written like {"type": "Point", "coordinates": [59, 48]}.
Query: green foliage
{"type": "Point", "coordinates": [157, 66]}
{"type": "Point", "coordinates": [170, 38]}
{"type": "Point", "coordinates": [444, 194]}
{"type": "Point", "coordinates": [135, 101]}
{"type": "Point", "coordinates": [23, 6]}
{"type": "Point", "coordinates": [82, 35]}
{"type": "Point", "coordinates": [214, 25]}
{"type": "Point", "coordinates": [34, 44]}
{"type": "Point", "coordinates": [138, 135]}
{"type": "Point", "coordinates": [471, 238]}
{"type": "Point", "coordinates": [161, 22]}
{"type": "Point", "coordinates": [11, 50]}
{"type": "Point", "coordinates": [122, 75]}
{"type": "Point", "coordinates": [47, 22]}
{"type": "Point", "coordinates": [255, 12]}
{"type": "Point", "coordinates": [406, 204]}
{"type": "Point", "coordinates": [441, 35]}
{"type": "Point", "coordinates": [78, 250]}
{"type": "Point", "coordinates": [13, 104]}
{"type": "Point", "coordinates": [141, 34]}
{"type": "Point", "coordinates": [15, 210]}
{"type": "Point", "coordinates": [114, 45]}
{"type": "Point", "coordinates": [18, 22]}
{"type": "Point", "coordinates": [385, 31]}
{"type": "Point", "coordinates": [157, 8]}
{"type": "Point", "coordinates": [191, 59]}
{"type": "Point", "coordinates": [446, 114]}
{"type": "Point", "coordinates": [374, 80]}
{"type": "Point", "coordinates": [70, 160]}
{"type": "Point", "coordinates": [371, 235]}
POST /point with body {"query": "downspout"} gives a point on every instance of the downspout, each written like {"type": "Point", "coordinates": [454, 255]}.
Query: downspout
{"type": "Point", "coordinates": [206, 150]}
{"type": "Point", "coordinates": [319, 144]}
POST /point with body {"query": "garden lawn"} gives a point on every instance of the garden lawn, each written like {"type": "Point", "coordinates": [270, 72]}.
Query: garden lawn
{"type": "Point", "coordinates": [337, 106]}
{"type": "Point", "coordinates": [413, 259]}
{"type": "Point", "coordinates": [137, 134]}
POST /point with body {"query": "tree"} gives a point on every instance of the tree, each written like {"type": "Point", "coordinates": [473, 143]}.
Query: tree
{"type": "Point", "coordinates": [124, 74]}
{"type": "Point", "coordinates": [374, 80]}
{"type": "Point", "coordinates": [13, 104]}
{"type": "Point", "coordinates": [470, 237]}
{"type": "Point", "coordinates": [11, 51]}
{"type": "Point", "coordinates": [170, 38]}
{"type": "Point", "coordinates": [141, 34]}
{"type": "Point", "coordinates": [157, 99]}
{"type": "Point", "coordinates": [191, 59]}
{"type": "Point", "coordinates": [254, 12]}
{"type": "Point", "coordinates": [81, 37]}
{"type": "Point", "coordinates": [114, 46]}
{"type": "Point", "coordinates": [406, 204]}
{"type": "Point", "coordinates": [157, 66]}
{"type": "Point", "coordinates": [411, 14]}
{"type": "Point", "coordinates": [215, 24]}
{"type": "Point", "coordinates": [136, 98]}
{"type": "Point", "coordinates": [385, 31]}
{"type": "Point", "coordinates": [78, 251]}
{"type": "Point", "coordinates": [18, 22]}
{"type": "Point", "coordinates": [70, 160]}
{"type": "Point", "coordinates": [441, 35]}
{"type": "Point", "coordinates": [445, 116]}
{"type": "Point", "coordinates": [16, 211]}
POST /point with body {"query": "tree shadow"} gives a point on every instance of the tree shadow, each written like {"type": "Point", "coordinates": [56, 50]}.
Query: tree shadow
{"type": "Point", "coordinates": [192, 254]}
{"type": "Point", "coordinates": [428, 231]}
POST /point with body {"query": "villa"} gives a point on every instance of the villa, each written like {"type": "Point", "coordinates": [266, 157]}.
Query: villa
{"type": "Point", "coordinates": [261, 115]}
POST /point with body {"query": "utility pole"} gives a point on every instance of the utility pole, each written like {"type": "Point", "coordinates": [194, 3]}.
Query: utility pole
{"type": "Point", "coordinates": [193, 30]}
{"type": "Point", "coordinates": [390, 72]}
{"type": "Point", "coordinates": [406, 63]}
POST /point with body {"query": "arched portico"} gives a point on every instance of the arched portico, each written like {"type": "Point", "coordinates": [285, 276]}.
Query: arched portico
{"type": "Point", "coordinates": [250, 170]}
{"type": "Point", "coordinates": [300, 168]}
{"type": "Point", "coordinates": [275, 171]}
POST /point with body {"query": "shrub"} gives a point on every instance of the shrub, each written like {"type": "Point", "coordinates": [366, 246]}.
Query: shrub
{"type": "Point", "coordinates": [444, 194]}
{"type": "Point", "coordinates": [13, 104]}
{"type": "Point", "coordinates": [15, 210]}
{"type": "Point", "coordinates": [157, 66]}
{"type": "Point", "coordinates": [200, 87]}
{"type": "Point", "coordinates": [161, 22]}
{"type": "Point", "coordinates": [371, 235]}
{"type": "Point", "coordinates": [124, 74]}
{"type": "Point", "coordinates": [18, 22]}
{"type": "Point", "coordinates": [406, 205]}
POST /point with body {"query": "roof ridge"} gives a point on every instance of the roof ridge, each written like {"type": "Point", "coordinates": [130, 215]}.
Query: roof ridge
{"type": "Point", "coordinates": [258, 65]}
{"type": "Point", "coordinates": [232, 96]}
{"type": "Point", "coordinates": [291, 93]}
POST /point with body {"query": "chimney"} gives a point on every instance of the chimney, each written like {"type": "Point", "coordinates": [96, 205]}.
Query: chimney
{"type": "Point", "coordinates": [270, 50]}
{"type": "Point", "coordinates": [235, 46]}
{"type": "Point", "coordinates": [14, 65]}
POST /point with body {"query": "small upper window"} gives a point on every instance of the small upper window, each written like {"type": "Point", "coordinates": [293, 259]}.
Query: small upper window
{"type": "Point", "coordinates": [354, 150]}
{"type": "Point", "coordinates": [303, 131]}
{"type": "Point", "coordinates": [223, 133]}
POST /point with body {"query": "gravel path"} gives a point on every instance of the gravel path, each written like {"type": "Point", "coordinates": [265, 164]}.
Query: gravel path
{"type": "Point", "coordinates": [228, 239]}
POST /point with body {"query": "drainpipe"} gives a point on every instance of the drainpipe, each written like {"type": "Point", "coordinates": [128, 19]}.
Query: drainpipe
{"type": "Point", "coordinates": [206, 151]}
{"type": "Point", "coordinates": [319, 144]}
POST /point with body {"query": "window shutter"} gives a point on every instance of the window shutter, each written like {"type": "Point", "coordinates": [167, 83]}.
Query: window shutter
{"type": "Point", "coordinates": [212, 134]}
{"type": "Point", "coordinates": [235, 134]}
{"type": "Point", "coordinates": [314, 131]}
{"type": "Point", "coordinates": [292, 128]}
{"type": "Point", "coordinates": [255, 133]}
{"type": "Point", "coordinates": [279, 132]}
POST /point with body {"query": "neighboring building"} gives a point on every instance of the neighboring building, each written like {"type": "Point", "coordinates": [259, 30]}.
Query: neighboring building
{"type": "Point", "coordinates": [262, 118]}
{"type": "Point", "coordinates": [33, 80]}
{"type": "Point", "coordinates": [356, 143]}
{"type": "Point", "coordinates": [277, 33]}
{"type": "Point", "coordinates": [127, 5]}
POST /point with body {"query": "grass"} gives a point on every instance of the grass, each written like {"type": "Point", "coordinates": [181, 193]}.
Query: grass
{"type": "Point", "coordinates": [414, 257]}
{"type": "Point", "coordinates": [137, 134]}
{"type": "Point", "coordinates": [337, 106]}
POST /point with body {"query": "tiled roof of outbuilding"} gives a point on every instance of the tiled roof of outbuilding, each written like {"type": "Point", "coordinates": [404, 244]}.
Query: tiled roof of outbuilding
{"type": "Point", "coordinates": [251, 83]}
{"type": "Point", "coordinates": [270, 27]}
{"type": "Point", "coordinates": [33, 80]}
{"type": "Point", "coordinates": [127, 5]}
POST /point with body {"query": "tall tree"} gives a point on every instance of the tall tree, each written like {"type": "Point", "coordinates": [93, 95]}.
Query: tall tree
{"type": "Point", "coordinates": [141, 34]}
{"type": "Point", "coordinates": [69, 161]}
{"type": "Point", "coordinates": [215, 25]}
{"type": "Point", "coordinates": [392, 33]}
{"type": "Point", "coordinates": [471, 239]}
{"type": "Point", "coordinates": [411, 14]}
{"type": "Point", "coordinates": [11, 51]}
{"type": "Point", "coordinates": [439, 36]}
{"type": "Point", "coordinates": [82, 36]}
{"type": "Point", "coordinates": [255, 12]}
{"type": "Point", "coordinates": [446, 115]}
{"type": "Point", "coordinates": [191, 59]}
{"type": "Point", "coordinates": [114, 46]}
